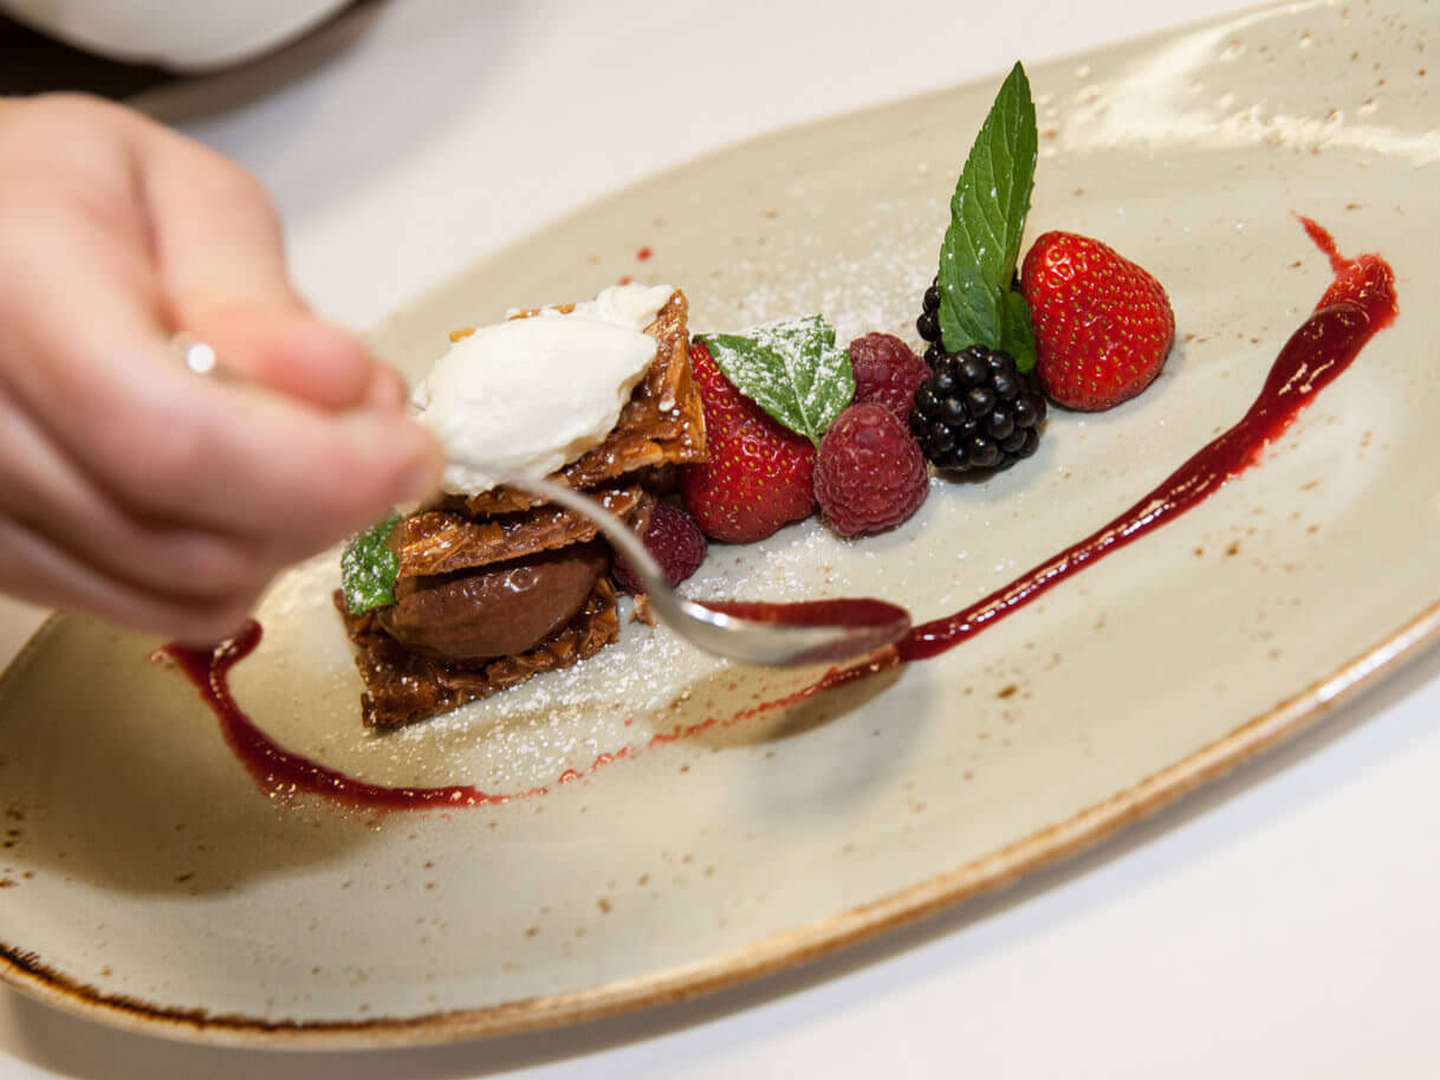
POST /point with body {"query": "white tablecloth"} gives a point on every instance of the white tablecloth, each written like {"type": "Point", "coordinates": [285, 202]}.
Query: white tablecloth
{"type": "Point", "coordinates": [1279, 924]}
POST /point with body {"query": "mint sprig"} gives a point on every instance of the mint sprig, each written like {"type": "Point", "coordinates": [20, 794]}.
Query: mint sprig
{"type": "Point", "coordinates": [792, 369]}
{"type": "Point", "coordinates": [1017, 334]}
{"type": "Point", "coordinates": [368, 568]}
{"type": "Point", "coordinates": [987, 219]}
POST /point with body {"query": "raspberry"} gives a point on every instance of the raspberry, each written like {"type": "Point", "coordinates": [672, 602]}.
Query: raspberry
{"type": "Point", "coordinates": [674, 539]}
{"type": "Point", "coordinates": [869, 475]}
{"type": "Point", "coordinates": [886, 371]}
{"type": "Point", "coordinates": [977, 411]}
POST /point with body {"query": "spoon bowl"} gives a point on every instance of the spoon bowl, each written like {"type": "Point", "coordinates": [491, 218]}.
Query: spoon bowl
{"type": "Point", "coordinates": [752, 632]}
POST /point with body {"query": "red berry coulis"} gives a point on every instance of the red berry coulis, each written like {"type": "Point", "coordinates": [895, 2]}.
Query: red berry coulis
{"type": "Point", "coordinates": [282, 772]}
{"type": "Point", "coordinates": [1358, 304]}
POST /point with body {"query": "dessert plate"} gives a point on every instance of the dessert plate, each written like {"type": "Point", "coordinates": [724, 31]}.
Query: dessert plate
{"type": "Point", "coordinates": [658, 823]}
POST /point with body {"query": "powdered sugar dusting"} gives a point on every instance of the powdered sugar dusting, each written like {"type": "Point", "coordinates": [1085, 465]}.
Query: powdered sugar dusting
{"type": "Point", "coordinates": [875, 289]}
{"type": "Point", "coordinates": [651, 684]}
{"type": "Point", "coordinates": [863, 265]}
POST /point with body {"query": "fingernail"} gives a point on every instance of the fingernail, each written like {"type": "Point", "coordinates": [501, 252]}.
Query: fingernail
{"type": "Point", "coordinates": [389, 441]}
{"type": "Point", "coordinates": [421, 479]}
{"type": "Point", "coordinates": [387, 391]}
{"type": "Point", "coordinates": [418, 484]}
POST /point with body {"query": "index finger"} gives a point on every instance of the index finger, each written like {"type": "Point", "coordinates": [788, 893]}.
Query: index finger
{"type": "Point", "coordinates": [184, 449]}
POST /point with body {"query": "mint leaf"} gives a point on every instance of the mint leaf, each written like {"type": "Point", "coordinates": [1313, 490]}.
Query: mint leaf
{"type": "Point", "coordinates": [792, 369]}
{"type": "Point", "coordinates": [987, 219]}
{"type": "Point", "coordinates": [368, 568]}
{"type": "Point", "coordinates": [1017, 334]}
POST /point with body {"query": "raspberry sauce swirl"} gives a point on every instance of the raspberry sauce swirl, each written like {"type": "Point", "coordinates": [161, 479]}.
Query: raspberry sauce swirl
{"type": "Point", "coordinates": [1358, 304]}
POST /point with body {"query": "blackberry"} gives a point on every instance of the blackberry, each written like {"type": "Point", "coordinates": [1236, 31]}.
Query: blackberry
{"type": "Point", "coordinates": [975, 411]}
{"type": "Point", "coordinates": [928, 324]}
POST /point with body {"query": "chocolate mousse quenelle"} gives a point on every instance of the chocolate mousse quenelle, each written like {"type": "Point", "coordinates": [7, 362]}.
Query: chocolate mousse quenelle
{"type": "Point", "coordinates": [490, 585]}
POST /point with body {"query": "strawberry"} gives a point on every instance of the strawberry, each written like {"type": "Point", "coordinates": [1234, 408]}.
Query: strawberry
{"type": "Point", "coordinates": [759, 475]}
{"type": "Point", "coordinates": [1103, 325]}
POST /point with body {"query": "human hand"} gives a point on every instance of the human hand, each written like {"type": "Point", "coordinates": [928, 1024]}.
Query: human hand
{"type": "Point", "coordinates": [130, 487]}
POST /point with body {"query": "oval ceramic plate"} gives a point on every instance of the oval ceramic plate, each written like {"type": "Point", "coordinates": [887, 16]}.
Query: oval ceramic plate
{"type": "Point", "coordinates": [674, 838]}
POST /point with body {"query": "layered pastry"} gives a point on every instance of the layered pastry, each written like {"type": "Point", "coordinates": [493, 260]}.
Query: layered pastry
{"type": "Point", "coordinates": [492, 584]}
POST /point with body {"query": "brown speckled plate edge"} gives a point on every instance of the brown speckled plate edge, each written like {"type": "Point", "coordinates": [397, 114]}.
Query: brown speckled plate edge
{"type": "Point", "coordinates": [780, 951]}
{"type": "Point", "coordinates": [28, 973]}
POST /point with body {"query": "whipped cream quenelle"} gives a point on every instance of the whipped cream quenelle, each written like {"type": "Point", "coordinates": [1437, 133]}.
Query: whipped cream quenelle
{"type": "Point", "coordinates": [528, 396]}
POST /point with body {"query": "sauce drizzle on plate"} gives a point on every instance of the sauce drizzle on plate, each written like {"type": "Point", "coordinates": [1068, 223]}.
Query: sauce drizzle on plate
{"type": "Point", "coordinates": [1358, 304]}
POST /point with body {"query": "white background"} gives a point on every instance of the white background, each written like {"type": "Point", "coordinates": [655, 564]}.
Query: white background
{"type": "Point", "coordinates": [1280, 924]}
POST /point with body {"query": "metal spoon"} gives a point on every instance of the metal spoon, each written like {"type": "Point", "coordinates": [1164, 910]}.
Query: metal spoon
{"type": "Point", "coordinates": [775, 635]}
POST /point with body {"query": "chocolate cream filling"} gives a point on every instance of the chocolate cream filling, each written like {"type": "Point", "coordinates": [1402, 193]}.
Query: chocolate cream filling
{"type": "Point", "coordinates": [496, 610]}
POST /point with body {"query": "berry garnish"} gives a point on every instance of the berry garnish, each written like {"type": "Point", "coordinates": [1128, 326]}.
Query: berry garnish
{"type": "Point", "coordinates": [976, 411]}
{"type": "Point", "coordinates": [759, 475]}
{"type": "Point", "coordinates": [887, 372]}
{"type": "Point", "coordinates": [869, 476]}
{"type": "Point", "coordinates": [674, 538]}
{"type": "Point", "coordinates": [1103, 325]}
{"type": "Point", "coordinates": [928, 324]}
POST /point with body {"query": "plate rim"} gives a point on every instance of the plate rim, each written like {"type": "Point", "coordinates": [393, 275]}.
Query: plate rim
{"type": "Point", "coordinates": [25, 971]}
{"type": "Point", "coordinates": [1085, 829]}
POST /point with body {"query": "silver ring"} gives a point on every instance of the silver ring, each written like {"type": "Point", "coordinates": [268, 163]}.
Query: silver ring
{"type": "Point", "coordinates": [199, 356]}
